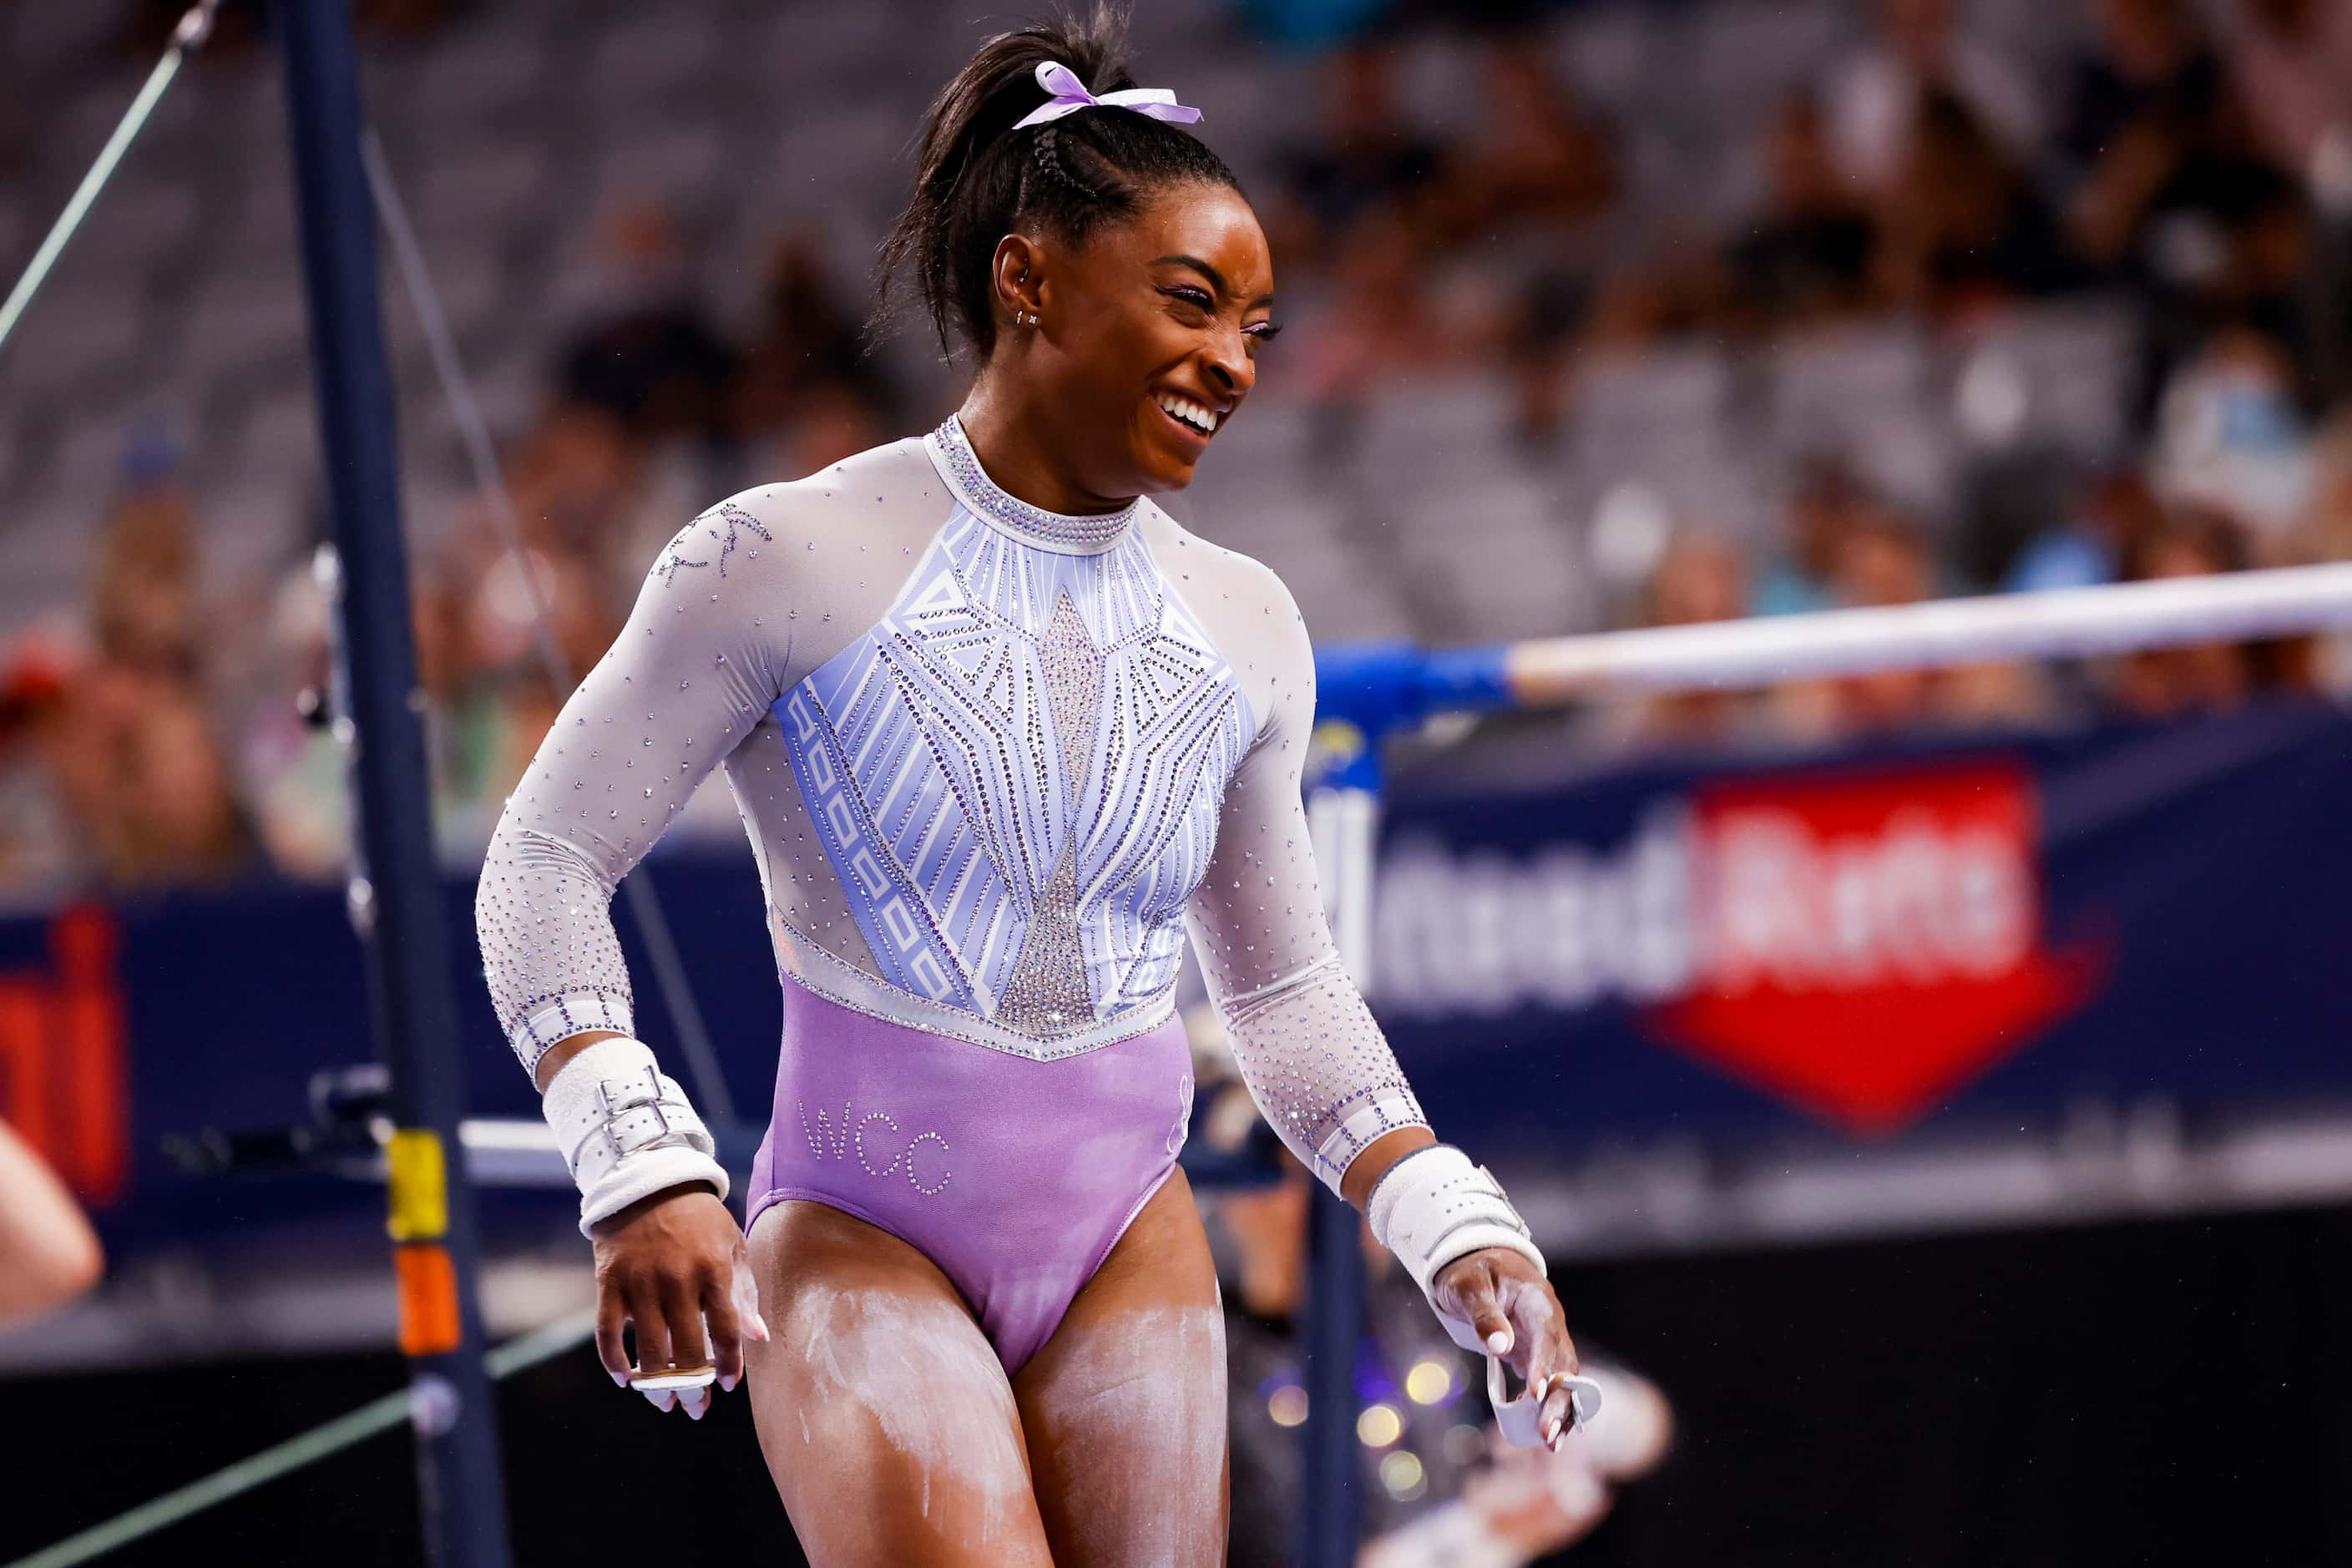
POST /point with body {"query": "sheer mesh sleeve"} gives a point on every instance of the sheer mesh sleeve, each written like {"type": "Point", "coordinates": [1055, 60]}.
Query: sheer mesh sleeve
{"type": "Point", "coordinates": [1315, 1061]}
{"type": "Point", "coordinates": [703, 654]}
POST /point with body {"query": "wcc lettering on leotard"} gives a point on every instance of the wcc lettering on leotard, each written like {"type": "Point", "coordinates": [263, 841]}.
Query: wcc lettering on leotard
{"type": "Point", "coordinates": [923, 1157]}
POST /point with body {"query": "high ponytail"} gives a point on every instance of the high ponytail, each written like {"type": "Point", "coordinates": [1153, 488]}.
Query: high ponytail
{"type": "Point", "coordinates": [978, 180]}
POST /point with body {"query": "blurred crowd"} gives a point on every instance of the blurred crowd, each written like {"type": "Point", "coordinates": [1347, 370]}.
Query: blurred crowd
{"type": "Point", "coordinates": [179, 730]}
{"type": "Point", "coordinates": [2191, 168]}
{"type": "Point", "coordinates": [2195, 164]}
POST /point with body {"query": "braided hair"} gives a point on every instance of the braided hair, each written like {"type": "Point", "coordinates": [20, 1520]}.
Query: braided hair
{"type": "Point", "coordinates": [978, 180]}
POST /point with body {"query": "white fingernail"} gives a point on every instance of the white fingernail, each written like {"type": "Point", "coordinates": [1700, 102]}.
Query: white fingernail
{"type": "Point", "coordinates": [620, 1379]}
{"type": "Point", "coordinates": [727, 1383]}
{"type": "Point", "coordinates": [1498, 1342]}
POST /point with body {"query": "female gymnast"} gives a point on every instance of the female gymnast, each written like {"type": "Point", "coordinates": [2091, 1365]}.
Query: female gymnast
{"type": "Point", "coordinates": [1000, 732]}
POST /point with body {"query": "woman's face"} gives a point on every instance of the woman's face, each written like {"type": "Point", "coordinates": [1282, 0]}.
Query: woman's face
{"type": "Point", "coordinates": [1149, 336]}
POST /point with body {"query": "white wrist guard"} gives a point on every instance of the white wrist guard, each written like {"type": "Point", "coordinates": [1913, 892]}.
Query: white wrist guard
{"type": "Point", "coordinates": [625, 1130]}
{"type": "Point", "coordinates": [1434, 1206]}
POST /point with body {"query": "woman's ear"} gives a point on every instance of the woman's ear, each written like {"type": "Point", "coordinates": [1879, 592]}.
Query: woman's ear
{"type": "Point", "coordinates": [1019, 280]}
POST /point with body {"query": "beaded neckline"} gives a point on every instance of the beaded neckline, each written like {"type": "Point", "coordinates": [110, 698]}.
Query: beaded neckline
{"type": "Point", "coordinates": [1031, 524]}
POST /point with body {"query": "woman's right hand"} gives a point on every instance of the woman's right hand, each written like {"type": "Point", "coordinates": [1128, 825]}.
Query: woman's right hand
{"type": "Point", "coordinates": [671, 1264]}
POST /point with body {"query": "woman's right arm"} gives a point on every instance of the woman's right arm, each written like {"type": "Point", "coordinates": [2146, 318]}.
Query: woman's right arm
{"type": "Point", "coordinates": [706, 649]}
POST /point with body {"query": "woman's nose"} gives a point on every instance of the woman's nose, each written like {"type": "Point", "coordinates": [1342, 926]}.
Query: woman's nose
{"type": "Point", "coordinates": [1231, 367]}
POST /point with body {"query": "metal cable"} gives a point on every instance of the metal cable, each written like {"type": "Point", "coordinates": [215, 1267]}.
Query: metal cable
{"type": "Point", "coordinates": [661, 947]}
{"type": "Point", "coordinates": [186, 39]}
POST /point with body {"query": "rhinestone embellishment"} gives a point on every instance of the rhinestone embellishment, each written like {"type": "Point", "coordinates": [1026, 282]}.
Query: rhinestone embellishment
{"type": "Point", "coordinates": [977, 491]}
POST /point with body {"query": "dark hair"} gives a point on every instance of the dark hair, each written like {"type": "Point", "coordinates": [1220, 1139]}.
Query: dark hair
{"type": "Point", "coordinates": [978, 180]}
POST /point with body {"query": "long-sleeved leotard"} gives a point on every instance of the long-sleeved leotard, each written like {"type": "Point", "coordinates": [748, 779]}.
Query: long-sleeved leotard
{"type": "Point", "coordinates": [991, 761]}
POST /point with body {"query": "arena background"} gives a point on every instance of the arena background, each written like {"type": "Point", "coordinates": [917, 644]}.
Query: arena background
{"type": "Point", "coordinates": [1935, 1083]}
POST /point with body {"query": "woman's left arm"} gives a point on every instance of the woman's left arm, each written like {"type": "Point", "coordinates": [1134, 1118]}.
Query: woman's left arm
{"type": "Point", "coordinates": [1319, 1068]}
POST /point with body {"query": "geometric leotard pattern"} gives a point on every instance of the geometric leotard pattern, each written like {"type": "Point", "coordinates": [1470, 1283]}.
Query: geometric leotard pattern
{"type": "Point", "coordinates": [1016, 774]}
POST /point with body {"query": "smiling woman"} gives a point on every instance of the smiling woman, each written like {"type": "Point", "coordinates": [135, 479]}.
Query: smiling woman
{"type": "Point", "coordinates": [1104, 268]}
{"type": "Point", "coordinates": [1001, 733]}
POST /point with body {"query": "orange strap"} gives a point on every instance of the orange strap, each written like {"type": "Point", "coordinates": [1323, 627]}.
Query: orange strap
{"type": "Point", "coordinates": [429, 1323]}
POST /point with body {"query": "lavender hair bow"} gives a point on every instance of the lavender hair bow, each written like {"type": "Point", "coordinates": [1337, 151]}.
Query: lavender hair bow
{"type": "Point", "coordinates": [1068, 95]}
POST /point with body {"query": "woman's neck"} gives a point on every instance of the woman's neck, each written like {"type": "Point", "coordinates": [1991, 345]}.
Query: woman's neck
{"type": "Point", "coordinates": [1014, 444]}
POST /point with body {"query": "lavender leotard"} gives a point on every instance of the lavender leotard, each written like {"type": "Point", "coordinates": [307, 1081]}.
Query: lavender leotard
{"type": "Point", "coordinates": [993, 763]}
{"type": "Point", "coordinates": [1014, 1176]}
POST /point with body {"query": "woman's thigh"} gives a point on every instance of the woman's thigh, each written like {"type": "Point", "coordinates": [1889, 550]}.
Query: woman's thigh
{"type": "Point", "coordinates": [1125, 1407]}
{"type": "Point", "coordinates": [882, 1409]}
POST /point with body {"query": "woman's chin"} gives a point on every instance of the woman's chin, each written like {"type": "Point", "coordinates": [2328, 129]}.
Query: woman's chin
{"type": "Point", "coordinates": [1164, 469]}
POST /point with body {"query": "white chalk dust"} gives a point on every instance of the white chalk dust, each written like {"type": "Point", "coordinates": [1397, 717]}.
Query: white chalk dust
{"type": "Point", "coordinates": [1133, 1423]}
{"type": "Point", "coordinates": [919, 1374]}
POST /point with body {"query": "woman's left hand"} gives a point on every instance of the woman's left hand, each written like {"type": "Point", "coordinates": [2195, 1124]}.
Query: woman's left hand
{"type": "Point", "coordinates": [1512, 1307]}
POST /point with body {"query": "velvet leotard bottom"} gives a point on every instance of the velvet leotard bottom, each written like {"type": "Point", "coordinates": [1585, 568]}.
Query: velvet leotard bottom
{"type": "Point", "coordinates": [1015, 1176]}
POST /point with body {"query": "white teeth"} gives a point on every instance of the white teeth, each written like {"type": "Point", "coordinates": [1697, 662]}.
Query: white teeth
{"type": "Point", "coordinates": [1193, 413]}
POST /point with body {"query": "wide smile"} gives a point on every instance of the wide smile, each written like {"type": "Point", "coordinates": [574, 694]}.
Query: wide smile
{"type": "Point", "coordinates": [1196, 420]}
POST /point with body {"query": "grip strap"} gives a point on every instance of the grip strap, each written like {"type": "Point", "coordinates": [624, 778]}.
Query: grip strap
{"type": "Point", "coordinates": [625, 1130]}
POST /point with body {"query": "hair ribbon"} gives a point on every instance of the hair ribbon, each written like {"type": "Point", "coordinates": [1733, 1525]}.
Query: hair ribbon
{"type": "Point", "coordinates": [1067, 95]}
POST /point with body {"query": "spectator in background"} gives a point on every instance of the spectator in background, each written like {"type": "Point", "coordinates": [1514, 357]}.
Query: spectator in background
{"type": "Point", "coordinates": [2150, 92]}
{"type": "Point", "coordinates": [293, 770]}
{"type": "Point", "coordinates": [1873, 99]}
{"type": "Point", "coordinates": [1962, 230]}
{"type": "Point", "coordinates": [129, 744]}
{"type": "Point", "coordinates": [1826, 502]}
{"type": "Point", "coordinates": [808, 344]}
{"type": "Point", "coordinates": [1697, 580]}
{"type": "Point", "coordinates": [1537, 163]}
{"type": "Point", "coordinates": [2169, 193]}
{"type": "Point", "coordinates": [145, 612]}
{"type": "Point", "coordinates": [1380, 319]}
{"type": "Point", "coordinates": [2324, 533]}
{"type": "Point", "coordinates": [2292, 63]}
{"type": "Point", "coordinates": [2150, 128]}
{"type": "Point", "coordinates": [2231, 436]}
{"type": "Point", "coordinates": [1882, 560]}
{"type": "Point", "coordinates": [2166, 683]}
{"type": "Point", "coordinates": [649, 357]}
{"type": "Point", "coordinates": [2091, 547]}
{"type": "Point", "coordinates": [1533, 156]}
{"type": "Point", "coordinates": [578, 483]}
{"type": "Point", "coordinates": [1807, 258]}
{"type": "Point", "coordinates": [144, 780]}
{"type": "Point", "coordinates": [836, 420]}
{"type": "Point", "coordinates": [808, 394]}
{"type": "Point", "coordinates": [1368, 163]}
